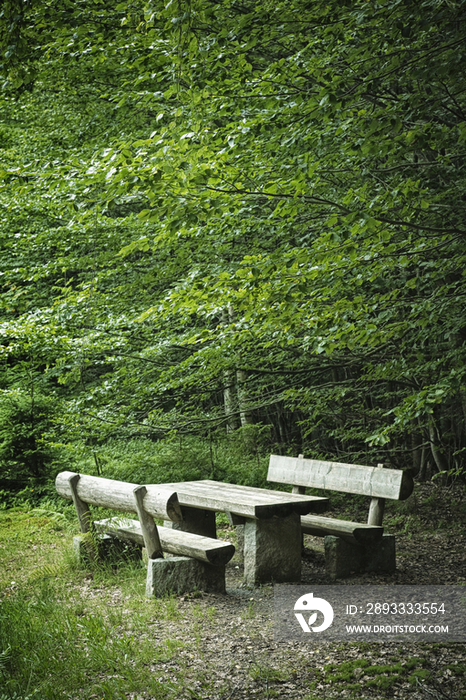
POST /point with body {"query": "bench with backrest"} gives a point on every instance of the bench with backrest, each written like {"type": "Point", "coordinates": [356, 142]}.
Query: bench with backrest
{"type": "Point", "coordinates": [349, 546]}
{"type": "Point", "coordinates": [199, 562]}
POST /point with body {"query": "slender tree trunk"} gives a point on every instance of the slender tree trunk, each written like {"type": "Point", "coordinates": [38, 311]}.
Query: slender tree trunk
{"type": "Point", "coordinates": [229, 391]}
{"type": "Point", "coordinates": [235, 396]}
{"type": "Point", "coordinates": [435, 445]}
{"type": "Point", "coordinates": [245, 414]}
{"type": "Point", "coordinates": [229, 400]}
{"type": "Point", "coordinates": [418, 450]}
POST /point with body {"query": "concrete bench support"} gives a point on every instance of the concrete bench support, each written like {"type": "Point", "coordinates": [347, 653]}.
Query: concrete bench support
{"type": "Point", "coordinates": [343, 558]}
{"type": "Point", "coordinates": [183, 575]}
{"type": "Point", "coordinates": [105, 548]}
{"type": "Point", "coordinates": [272, 550]}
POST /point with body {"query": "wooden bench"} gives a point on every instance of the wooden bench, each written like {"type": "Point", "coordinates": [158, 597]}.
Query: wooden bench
{"type": "Point", "coordinates": [269, 522]}
{"type": "Point", "coordinates": [199, 562]}
{"type": "Point", "coordinates": [349, 546]}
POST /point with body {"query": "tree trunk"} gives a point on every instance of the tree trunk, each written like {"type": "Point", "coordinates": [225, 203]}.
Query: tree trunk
{"type": "Point", "coordinates": [229, 389]}
{"type": "Point", "coordinates": [245, 414]}
{"type": "Point", "coordinates": [229, 400]}
{"type": "Point", "coordinates": [435, 445]}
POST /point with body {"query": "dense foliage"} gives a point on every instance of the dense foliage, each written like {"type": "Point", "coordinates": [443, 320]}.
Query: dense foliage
{"type": "Point", "coordinates": [217, 215]}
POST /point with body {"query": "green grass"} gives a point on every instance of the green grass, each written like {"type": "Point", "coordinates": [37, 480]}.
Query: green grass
{"type": "Point", "coordinates": [73, 632]}
{"type": "Point", "coordinates": [56, 648]}
{"type": "Point", "coordinates": [352, 676]}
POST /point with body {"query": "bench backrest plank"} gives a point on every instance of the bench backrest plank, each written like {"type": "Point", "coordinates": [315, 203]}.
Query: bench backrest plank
{"type": "Point", "coordinates": [158, 501]}
{"type": "Point", "coordinates": [336, 476]}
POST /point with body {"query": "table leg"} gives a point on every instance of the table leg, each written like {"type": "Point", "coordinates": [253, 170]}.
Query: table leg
{"type": "Point", "coordinates": [272, 550]}
{"type": "Point", "coordinates": [200, 522]}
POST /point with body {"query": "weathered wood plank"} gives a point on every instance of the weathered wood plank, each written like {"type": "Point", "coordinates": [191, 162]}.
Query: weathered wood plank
{"type": "Point", "coordinates": [376, 511]}
{"type": "Point", "coordinates": [82, 509]}
{"type": "Point", "coordinates": [347, 530]}
{"type": "Point", "coordinates": [246, 501]}
{"type": "Point", "coordinates": [249, 495]}
{"type": "Point", "coordinates": [177, 542]}
{"type": "Point", "coordinates": [336, 476]}
{"type": "Point", "coordinates": [148, 526]}
{"type": "Point", "coordinates": [159, 501]}
{"type": "Point", "coordinates": [253, 493]}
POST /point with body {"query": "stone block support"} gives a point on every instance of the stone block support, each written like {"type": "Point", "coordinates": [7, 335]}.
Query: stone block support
{"type": "Point", "coordinates": [272, 550]}
{"type": "Point", "coordinates": [240, 542]}
{"type": "Point", "coordinates": [183, 575]}
{"type": "Point", "coordinates": [343, 558]}
{"type": "Point", "coordinates": [104, 547]}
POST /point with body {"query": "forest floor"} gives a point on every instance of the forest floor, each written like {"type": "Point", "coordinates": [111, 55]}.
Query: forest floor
{"type": "Point", "coordinates": [247, 663]}
{"type": "Point", "coordinates": [222, 646]}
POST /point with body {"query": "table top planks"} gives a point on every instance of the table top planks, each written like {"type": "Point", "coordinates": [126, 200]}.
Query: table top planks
{"type": "Point", "coordinates": [245, 501]}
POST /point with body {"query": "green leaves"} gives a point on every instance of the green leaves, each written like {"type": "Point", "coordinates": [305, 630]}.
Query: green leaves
{"type": "Point", "coordinates": [298, 164]}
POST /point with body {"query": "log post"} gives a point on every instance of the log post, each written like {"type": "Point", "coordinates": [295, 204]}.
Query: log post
{"type": "Point", "coordinates": [376, 509]}
{"type": "Point", "coordinates": [299, 489]}
{"type": "Point", "coordinates": [302, 491]}
{"type": "Point", "coordinates": [82, 509]}
{"type": "Point", "coordinates": [148, 526]}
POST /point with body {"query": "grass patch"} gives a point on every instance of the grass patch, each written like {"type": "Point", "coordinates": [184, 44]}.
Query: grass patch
{"type": "Point", "coordinates": [33, 544]}
{"type": "Point", "coordinates": [53, 649]}
{"type": "Point", "coordinates": [359, 674]}
{"type": "Point", "coordinates": [69, 631]}
{"type": "Point", "coordinates": [270, 674]}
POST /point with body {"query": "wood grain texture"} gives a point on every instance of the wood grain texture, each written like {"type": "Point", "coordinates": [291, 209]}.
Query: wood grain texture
{"type": "Point", "coordinates": [335, 476]}
{"type": "Point", "coordinates": [356, 533]}
{"type": "Point", "coordinates": [246, 501]}
{"type": "Point", "coordinates": [177, 542]}
{"type": "Point", "coordinates": [159, 501]}
{"type": "Point", "coordinates": [376, 511]}
{"type": "Point", "coordinates": [82, 509]}
{"type": "Point", "coordinates": [147, 524]}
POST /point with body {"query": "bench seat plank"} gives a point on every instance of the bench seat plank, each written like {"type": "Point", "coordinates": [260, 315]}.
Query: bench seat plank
{"type": "Point", "coordinates": [246, 501]}
{"type": "Point", "coordinates": [177, 542]}
{"type": "Point", "coordinates": [335, 476]}
{"type": "Point", "coordinates": [352, 532]}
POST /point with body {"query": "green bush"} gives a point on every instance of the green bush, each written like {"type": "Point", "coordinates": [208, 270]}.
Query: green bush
{"type": "Point", "coordinates": [219, 456]}
{"type": "Point", "coordinates": [25, 456]}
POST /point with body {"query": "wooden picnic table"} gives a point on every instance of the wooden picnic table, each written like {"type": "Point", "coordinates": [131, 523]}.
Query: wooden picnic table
{"type": "Point", "coordinates": [270, 521]}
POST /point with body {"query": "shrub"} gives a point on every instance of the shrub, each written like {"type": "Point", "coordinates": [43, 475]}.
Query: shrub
{"type": "Point", "coordinates": [25, 457]}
